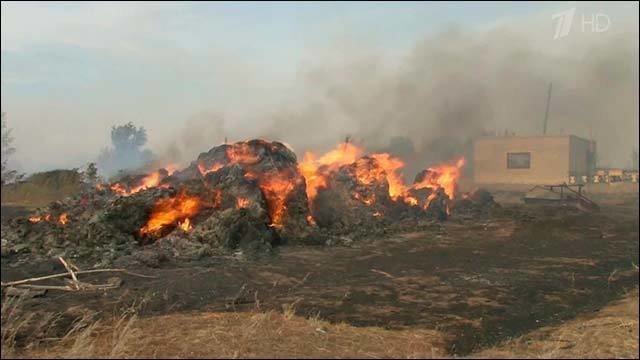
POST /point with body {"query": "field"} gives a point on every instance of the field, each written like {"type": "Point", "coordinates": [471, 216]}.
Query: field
{"type": "Point", "coordinates": [526, 282]}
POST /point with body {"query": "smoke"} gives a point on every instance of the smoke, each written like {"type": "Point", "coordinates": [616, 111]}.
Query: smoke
{"type": "Point", "coordinates": [451, 87]}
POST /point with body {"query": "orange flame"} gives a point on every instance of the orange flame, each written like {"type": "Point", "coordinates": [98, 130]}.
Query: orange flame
{"type": "Point", "coordinates": [170, 211]}
{"type": "Point", "coordinates": [35, 219]}
{"type": "Point", "coordinates": [316, 170]}
{"type": "Point", "coordinates": [171, 168]}
{"type": "Point", "coordinates": [369, 172]}
{"type": "Point", "coordinates": [242, 153]}
{"type": "Point", "coordinates": [149, 181]}
{"type": "Point", "coordinates": [185, 225]}
{"type": "Point", "coordinates": [391, 167]}
{"type": "Point", "coordinates": [204, 170]}
{"type": "Point", "coordinates": [276, 188]}
{"type": "Point", "coordinates": [310, 220]}
{"type": "Point", "coordinates": [62, 219]}
{"type": "Point", "coordinates": [242, 203]}
{"type": "Point", "coordinates": [119, 189]}
{"type": "Point", "coordinates": [442, 176]}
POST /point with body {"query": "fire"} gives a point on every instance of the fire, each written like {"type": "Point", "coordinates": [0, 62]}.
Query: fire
{"type": "Point", "coordinates": [367, 200]}
{"type": "Point", "coordinates": [443, 176]}
{"type": "Point", "coordinates": [119, 189]}
{"type": "Point", "coordinates": [204, 170]}
{"type": "Point", "coordinates": [242, 153]}
{"type": "Point", "coordinates": [35, 219]}
{"type": "Point", "coordinates": [242, 203]}
{"type": "Point", "coordinates": [170, 212]}
{"type": "Point", "coordinates": [391, 167]}
{"type": "Point", "coordinates": [369, 172]}
{"type": "Point", "coordinates": [316, 169]}
{"type": "Point", "coordinates": [63, 219]}
{"type": "Point", "coordinates": [185, 225]}
{"type": "Point", "coordinates": [311, 221]}
{"type": "Point", "coordinates": [171, 168]}
{"type": "Point", "coordinates": [149, 181]}
{"type": "Point", "coordinates": [276, 188]}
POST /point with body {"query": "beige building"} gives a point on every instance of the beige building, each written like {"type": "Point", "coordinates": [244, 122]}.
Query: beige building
{"type": "Point", "coordinates": [532, 159]}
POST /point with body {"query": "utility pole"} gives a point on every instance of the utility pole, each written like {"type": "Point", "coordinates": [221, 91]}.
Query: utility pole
{"type": "Point", "coordinates": [546, 113]}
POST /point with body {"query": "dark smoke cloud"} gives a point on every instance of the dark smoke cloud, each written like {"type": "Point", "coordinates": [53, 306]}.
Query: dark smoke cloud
{"type": "Point", "coordinates": [451, 87]}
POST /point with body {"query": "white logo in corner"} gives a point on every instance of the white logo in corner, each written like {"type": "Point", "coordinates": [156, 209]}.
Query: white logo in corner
{"type": "Point", "coordinates": [563, 26]}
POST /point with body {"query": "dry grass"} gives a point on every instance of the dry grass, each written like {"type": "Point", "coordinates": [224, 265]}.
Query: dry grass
{"type": "Point", "coordinates": [610, 333]}
{"type": "Point", "coordinates": [40, 189]}
{"type": "Point", "coordinates": [236, 335]}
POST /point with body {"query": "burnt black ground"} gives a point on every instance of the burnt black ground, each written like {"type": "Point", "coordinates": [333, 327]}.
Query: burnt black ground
{"type": "Point", "coordinates": [479, 280]}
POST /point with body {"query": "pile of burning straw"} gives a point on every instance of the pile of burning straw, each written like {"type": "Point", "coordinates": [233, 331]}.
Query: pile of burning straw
{"type": "Point", "coordinates": [247, 195]}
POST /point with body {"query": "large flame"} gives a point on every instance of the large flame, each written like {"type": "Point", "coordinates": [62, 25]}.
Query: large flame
{"type": "Point", "coordinates": [316, 169]}
{"type": "Point", "coordinates": [276, 187]}
{"type": "Point", "coordinates": [170, 212]}
{"type": "Point", "coordinates": [391, 167]}
{"type": "Point", "coordinates": [443, 176]}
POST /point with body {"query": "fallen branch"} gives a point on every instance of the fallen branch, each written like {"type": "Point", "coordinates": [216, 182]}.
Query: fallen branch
{"type": "Point", "coordinates": [30, 280]}
{"type": "Point", "coordinates": [76, 283]}
{"type": "Point", "coordinates": [45, 287]}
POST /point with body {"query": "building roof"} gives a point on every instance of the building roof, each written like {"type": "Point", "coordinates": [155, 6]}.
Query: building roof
{"type": "Point", "coordinates": [511, 137]}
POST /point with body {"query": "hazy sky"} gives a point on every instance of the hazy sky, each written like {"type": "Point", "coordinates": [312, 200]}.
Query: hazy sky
{"type": "Point", "coordinates": [71, 70]}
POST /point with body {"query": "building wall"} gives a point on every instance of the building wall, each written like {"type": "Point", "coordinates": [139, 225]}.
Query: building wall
{"type": "Point", "coordinates": [550, 159]}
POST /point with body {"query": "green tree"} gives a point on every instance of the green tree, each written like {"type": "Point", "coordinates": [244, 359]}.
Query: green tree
{"type": "Point", "coordinates": [127, 151]}
{"type": "Point", "coordinates": [91, 174]}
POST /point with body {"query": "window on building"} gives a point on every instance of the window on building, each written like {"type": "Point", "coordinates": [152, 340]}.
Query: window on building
{"type": "Point", "coordinates": [519, 160]}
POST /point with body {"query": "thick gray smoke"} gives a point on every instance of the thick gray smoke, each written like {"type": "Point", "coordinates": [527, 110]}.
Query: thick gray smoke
{"type": "Point", "coordinates": [452, 87]}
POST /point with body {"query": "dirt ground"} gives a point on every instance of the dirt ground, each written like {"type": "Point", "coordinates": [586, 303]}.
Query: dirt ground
{"type": "Point", "coordinates": [478, 282]}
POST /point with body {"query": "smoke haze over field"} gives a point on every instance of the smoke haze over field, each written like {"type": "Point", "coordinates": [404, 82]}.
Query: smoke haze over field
{"type": "Point", "coordinates": [374, 77]}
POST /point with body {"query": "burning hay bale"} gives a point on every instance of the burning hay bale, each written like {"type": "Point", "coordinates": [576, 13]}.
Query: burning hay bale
{"type": "Point", "coordinates": [356, 193]}
{"type": "Point", "coordinates": [250, 195]}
